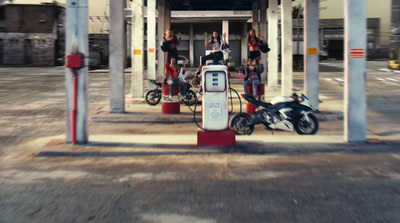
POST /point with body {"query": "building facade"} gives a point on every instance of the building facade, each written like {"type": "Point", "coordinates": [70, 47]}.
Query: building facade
{"type": "Point", "coordinates": [32, 34]}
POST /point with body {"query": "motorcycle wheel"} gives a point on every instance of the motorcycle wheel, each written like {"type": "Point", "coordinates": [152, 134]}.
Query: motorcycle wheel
{"type": "Point", "coordinates": [153, 97]}
{"type": "Point", "coordinates": [303, 127]}
{"type": "Point", "coordinates": [239, 123]}
{"type": "Point", "coordinates": [190, 98]}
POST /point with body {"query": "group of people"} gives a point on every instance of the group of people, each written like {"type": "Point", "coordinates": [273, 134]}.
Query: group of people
{"type": "Point", "coordinates": [254, 67]}
{"type": "Point", "coordinates": [174, 75]}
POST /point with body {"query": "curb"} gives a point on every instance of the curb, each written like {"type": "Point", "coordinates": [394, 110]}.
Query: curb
{"type": "Point", "coordinates": [114, 119]}
{"type": "Point", "coordinates": [143, 120]}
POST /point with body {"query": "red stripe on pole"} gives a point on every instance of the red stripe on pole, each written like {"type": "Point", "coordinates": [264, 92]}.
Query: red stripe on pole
{"type": "Point", "coordinates": [357, 53]}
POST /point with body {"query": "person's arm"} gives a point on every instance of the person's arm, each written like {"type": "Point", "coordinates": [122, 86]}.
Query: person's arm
{"type": "Point", "coordinates": [184, 65]}
{"type": "Point", "coordinates": [207, 43]}
{"type": "Point", "coordinates": [179, 39]}
{"type": "Point", "coordinates": [260, 68]}
{"type": "Point", "coordinates": [224, 39]}
{"type": "Point", "coordinates": [262, 38]}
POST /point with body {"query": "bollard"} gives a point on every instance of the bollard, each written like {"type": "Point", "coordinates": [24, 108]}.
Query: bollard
{"type": "Point", "coordinates": [250, 108]}
{"type": "Point", "coordinates": [170, 106]}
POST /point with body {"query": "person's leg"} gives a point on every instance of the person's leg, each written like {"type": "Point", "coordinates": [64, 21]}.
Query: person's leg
{"type": "Point", "coordinates": [168, 59]}
{"type": "Point", "coordinates": [205, 58]}
{"type": "Point", "coordinates": [182, 87]}
{"type": "Point", "coordinates": [174, 54]}
{"type": "Point", "coordinates": [257, 54]}
{"type": "Point", "coordinates": [252, 55]}
{"type": "Point", "coordinates": [218, 56]}
{"type": "Point", "coordinates": [172, 86]}
{"type": "Point", "coordinates": [256, 83]}
{"type": "Point", "coordinates": [245, 84]}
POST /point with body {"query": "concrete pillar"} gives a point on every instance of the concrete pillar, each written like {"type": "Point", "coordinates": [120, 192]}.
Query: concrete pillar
{"type": "Point", "coordinates": [128, 6]}
{"type": "Point", "coordinates": [151, 39]}
{"type": "Point", "coordinates": [138, 49]}
{"type": "Point", "coordinates": [287, 47]}
{"type": "Point", "coordinates": [117, 56]}
{"type": "Point", "coordinates": [311, 49]}
{"type": "Point", "coordinates": [255, 16]}
{"type": "Point", "coordinates": [129, 40]}
{"type": "Point", "coordinates": [225, 29]}
{"type": "Point", "coordinates": [191, 44]}
{"type": "Point", "coordinates": [355, 123]}
{"type": "Point", "coordinates": [245, 49]}
{"type": "Point", "coordinates": [263, 30]}
{"type": "Point", "coordinates": [77, 33]}
{"type": "Point", "coordinates": [160, 38]}
{"type": "Point", "coordinates": [167, 18]}
{"type": "Point", "coordinates": [125, 36]}
{"type": "Point", "coordinates": [273, 43]}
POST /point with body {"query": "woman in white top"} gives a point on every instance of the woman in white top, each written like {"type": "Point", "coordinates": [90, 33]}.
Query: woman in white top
{"type": "Point", "coordinates": [217, 44]}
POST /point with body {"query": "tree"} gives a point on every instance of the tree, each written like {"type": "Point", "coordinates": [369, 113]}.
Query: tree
{"type": "Point", "coordinates": [297, 11]}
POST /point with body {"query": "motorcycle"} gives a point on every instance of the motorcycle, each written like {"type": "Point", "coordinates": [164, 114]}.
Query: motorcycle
{"type": "Point", "coordinates": [153, 96]}
{"type": "Point", "coordinates": [283, 113]}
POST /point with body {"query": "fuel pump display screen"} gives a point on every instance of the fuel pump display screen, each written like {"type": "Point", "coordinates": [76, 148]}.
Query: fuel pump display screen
{"type": "Point", "coordinates": [215, 81]}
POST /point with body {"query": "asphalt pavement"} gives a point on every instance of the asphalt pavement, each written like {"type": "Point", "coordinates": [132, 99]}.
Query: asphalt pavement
{"type": "Point", "coordinates": [144, 166]}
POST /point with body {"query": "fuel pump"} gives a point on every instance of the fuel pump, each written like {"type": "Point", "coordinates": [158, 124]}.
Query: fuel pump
{"type": "Point", "coordinates": [75, 62]}
{"type": "Point", "coordinates": [215, 98]}
{"type": "Point", "coordinates": [215, 113]}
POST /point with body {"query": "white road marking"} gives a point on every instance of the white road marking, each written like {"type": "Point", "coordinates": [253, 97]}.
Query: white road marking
{"type": "Point", "coordinates": [390, 83]}
{"type": "Point", "coordinates": [339, 79]}
{"type": "Point", "coordinates": [380, 79]}
{"type": "Point", "coordinates": [391, 79]}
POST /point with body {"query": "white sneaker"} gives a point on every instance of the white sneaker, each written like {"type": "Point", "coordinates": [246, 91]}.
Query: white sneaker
{"type": "Point", "coordinates": [180, 95]}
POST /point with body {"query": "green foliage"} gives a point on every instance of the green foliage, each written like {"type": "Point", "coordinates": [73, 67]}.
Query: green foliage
{"type": "Point", "coordinates": [55, 2]}
{"type": "Point", "coordinates": [296, 10]}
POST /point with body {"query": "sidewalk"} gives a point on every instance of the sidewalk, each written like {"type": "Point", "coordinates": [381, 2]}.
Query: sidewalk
{"type": "Point", "coordinates": [329, 138]}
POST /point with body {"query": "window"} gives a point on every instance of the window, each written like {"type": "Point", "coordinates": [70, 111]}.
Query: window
{"type": "Point", "coordinates": [14, 41]}
{"type": "Point", "coordinates": [42, 17]}
{"type": "Point", "coordinates": [2, 13]}
{"type": "Point", "coordinates": [14, 17]}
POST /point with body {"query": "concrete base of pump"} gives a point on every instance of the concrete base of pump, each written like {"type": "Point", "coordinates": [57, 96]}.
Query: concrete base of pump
{"type": "Point", "coordinates": [216, 138]}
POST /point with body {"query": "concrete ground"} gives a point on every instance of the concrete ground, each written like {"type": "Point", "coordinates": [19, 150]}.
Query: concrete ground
{"type": "Point", "coordinates": [145, 167]}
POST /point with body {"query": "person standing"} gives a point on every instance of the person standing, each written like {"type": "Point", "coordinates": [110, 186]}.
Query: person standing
{"type": "Point", "coordinates": [254, 43]}
{"type": "Point", "coordinates": [173, 42]}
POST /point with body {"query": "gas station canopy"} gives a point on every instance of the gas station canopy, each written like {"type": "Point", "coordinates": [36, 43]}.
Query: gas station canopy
{"type": "Point", "coordinates": [210, 5]}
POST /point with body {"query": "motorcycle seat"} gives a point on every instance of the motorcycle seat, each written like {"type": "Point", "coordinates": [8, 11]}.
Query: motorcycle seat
{"type": "Point", "coordinates": [265, 104]}
{"type": "Point", "coordinates": [281, 99]}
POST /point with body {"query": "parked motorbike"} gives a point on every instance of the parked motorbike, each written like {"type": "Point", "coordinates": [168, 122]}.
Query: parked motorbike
{"type": "Point", "coordinates": [283, 113]}
{"type": "Point", "coordinates": [153, 96]}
